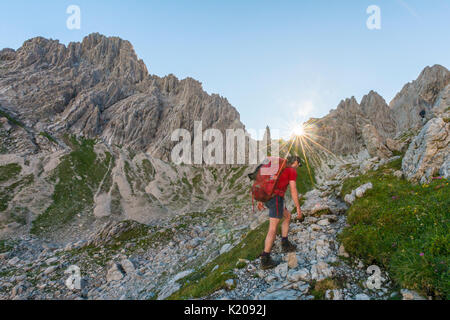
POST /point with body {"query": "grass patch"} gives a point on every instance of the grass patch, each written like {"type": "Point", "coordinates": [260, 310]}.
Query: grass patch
{"type": "Point", "coordinates": [11, 119]}
{"type": "Point", "coordinates": [48, 136]}
{"type": "Point", "coordinates": [5, 246]}
{"type": "Point", "coordinates": [236, 175]}
{"type": "Point", "coordinates": [204, 281]}
{"type": "Point", "coordinates": [196, 183]}
{"type": "Point", "coordinates": [9, 171]}
{"type": "Point", "coordinates": [149, 171]}
{"type": "Point", "coordinates": [404, 228]}
{"type": "Point", "coordinates": [128, 174]}
{"type": "Point", "coordinates": [319, 288]}
{"type": "Point", "coordinates": [7, 193]}
{"type": "Point", "coordinates": [350, 184]}
{"type": "Point", "coordinates": [79, 175]}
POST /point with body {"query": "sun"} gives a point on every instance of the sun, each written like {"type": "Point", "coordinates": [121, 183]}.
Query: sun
{"type": "Point", "coordinates": [299, 131]}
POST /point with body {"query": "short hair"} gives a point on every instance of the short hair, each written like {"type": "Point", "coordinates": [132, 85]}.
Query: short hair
{"type": "Point", "coordinates": [292, 159]}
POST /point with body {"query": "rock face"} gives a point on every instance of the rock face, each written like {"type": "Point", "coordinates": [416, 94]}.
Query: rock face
{"type": "Point", "coordinates": [342, 129]}
{"type": "Point", "coordinates": [374, 142]}
{"type": "Point", "coordinates": [99, 88]}
{"type": "Point", "coordinates": [430, 90]}
{"type": "Point", "coordinates": [428, 152]}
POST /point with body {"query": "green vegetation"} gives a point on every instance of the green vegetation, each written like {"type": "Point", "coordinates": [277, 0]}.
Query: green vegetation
{"type": "Point", "coordinates": [48, 136]}
{"type": "Point", "coordinates": [9, 171]}
{"type": "Point", "coordinates": [196, 182]}
{"type": "Point", "coordinates": [128, 174]}
{"type": "Point", "coordinates": [135, 237]}
{"type": "Point", "coordinates": [187, 184]}
{"type": "Point", "coordinates": [319, 288]}
{"type": "Point", "coordinates": [11, 118]}
{"type": "Point", "coordinates": [5, 246]}
{"type": "Point", "coordinates": [204, 281]}
{"type": "Point", "coordinates": [402, 227]}
{"type": "Point", "coordinates": [78, 176]}
{"type": "Point", "coordinates": [149, 171]}
{"type": "Point", "coordinates": [407, 135]}
{"type": "Point", "coordinates": [8, 192]}
{"type": "Point", "coordinates": [238, 173]}
{"type": "Point", "coordinates": [107, 182]}
{"type": "Point", "coordinates": [350, 184]}
{"type": "Point", "coordinates": [116, 206]}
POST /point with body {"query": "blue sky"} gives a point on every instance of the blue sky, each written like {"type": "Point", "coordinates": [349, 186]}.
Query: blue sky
{"type": "Point", "coordinates": [277, 62]}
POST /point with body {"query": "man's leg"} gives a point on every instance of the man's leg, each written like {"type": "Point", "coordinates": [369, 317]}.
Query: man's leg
{"type": "Point", "coordinates": [285, 244]}
{"type": "Point", "coordinates": [271, 234]}
{"type": "Point", "coordinates": [285, 224]}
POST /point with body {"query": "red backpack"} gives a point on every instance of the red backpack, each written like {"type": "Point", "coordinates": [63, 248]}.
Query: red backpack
{"type": "Point", "coordinates": [267, 178]}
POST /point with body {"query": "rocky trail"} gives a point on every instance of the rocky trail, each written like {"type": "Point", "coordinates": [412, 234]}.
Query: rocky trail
{"type": "Point", "coordinates": [318, 257]}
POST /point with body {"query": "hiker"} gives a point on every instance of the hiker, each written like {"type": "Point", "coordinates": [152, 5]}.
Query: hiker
{"type": "Point", "coordinates": [277, 211]}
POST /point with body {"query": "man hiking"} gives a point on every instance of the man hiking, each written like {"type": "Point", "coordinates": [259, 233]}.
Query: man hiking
{"type": "Point", "coordinates": [277, 211]}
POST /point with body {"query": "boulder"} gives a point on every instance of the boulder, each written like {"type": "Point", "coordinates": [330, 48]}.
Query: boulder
{"type": "Point", "coordinates": [292, 260]}
{"type": "Point", "coordinates": [300, 275]}
{"type": "Point", "coordinates": [321, 271]}
{"type": "Point", "coordinates": [360, 191]}
{"type": "Point", "coordinates": [225, 248]}
{"type": "Point", "coordinates": [428, 153]}
{"type": "Point", "coordinates": [128, 266]}
{"type": "Point", "coordinates": [281, 270]}
{"type": "Point", "coordinates": [173, 286]}
{"type": "Point", "coordinates": [115, 273]}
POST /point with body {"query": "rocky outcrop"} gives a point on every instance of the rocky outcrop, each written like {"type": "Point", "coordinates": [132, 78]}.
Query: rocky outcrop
{"type": "Point", "coordinates": [379, 114]}
{"type": "Point", "coordinates": [428, 152]}
{"type": "Point", "coordinates": [341, 131]}
{"type": "Point", "coordinates": [374, 142]}
{"type": "Point", "coordinates": [430, 88]}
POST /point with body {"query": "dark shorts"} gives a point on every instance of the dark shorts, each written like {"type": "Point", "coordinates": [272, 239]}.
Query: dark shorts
{"type": "Point", "coordinates": [272, 205]}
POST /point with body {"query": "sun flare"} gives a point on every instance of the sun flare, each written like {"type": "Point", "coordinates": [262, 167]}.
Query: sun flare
{"type": "Point", "coordinates": [299, 131]}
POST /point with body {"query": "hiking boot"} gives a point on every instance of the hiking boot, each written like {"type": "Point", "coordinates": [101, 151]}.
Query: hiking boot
{"type": "Point", "coordinates": [288, 247]}
{"type": "Point", "coordinates": [268, 263]}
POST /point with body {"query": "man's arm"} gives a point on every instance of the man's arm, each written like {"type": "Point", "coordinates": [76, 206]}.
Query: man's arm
{"type": "Point", "coordinates": [294, 194]}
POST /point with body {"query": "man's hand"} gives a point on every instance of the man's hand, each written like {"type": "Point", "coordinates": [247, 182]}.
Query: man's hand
{"type": "Point", "coordinates": [300, 214]}
{"type": "Point", "coordinates": [260, 206]}
{"type": "Point", "coordinates": [294, 195]}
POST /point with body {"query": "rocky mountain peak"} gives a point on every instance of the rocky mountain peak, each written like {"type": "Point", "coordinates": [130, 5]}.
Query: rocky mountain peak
{"type": "Point", "coordinates": [378, 112]}
{"type": "Point", "coordinates": [111, 54]}
{"type": "Point", "coordinates": [417, 96]}
{"type": "Point", "coordinates": [99, 88]}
